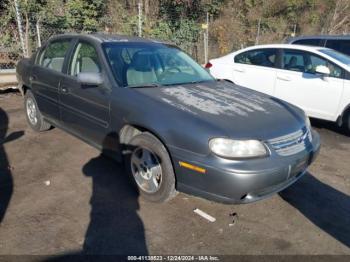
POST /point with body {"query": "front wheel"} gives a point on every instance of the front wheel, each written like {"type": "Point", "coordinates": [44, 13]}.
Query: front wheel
{"type": "Point", "coordinates": [347, 123]}
{"type": "Point", "coordinates": [150, 167]}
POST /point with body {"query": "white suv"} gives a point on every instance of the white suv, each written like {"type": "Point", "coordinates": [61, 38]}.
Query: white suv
{"type": "Point", "coordinates": [316, 79]}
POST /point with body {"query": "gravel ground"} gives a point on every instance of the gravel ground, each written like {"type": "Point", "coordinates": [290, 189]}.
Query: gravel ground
{"type": "Point", "coordinates": [58, 195]}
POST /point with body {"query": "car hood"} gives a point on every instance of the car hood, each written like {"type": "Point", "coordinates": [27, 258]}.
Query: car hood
{"type": "Point", "coordinates": [237, 111]}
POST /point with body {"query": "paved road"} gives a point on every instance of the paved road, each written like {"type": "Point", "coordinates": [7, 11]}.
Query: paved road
{"type": "Point", "coordinates": [59, 196]}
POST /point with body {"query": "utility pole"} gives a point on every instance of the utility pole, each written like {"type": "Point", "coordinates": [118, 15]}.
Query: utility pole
{"type": "Point", "coordinates": [258, 33]}
{"type": "Point", "coordinates": [206, 38]}
{"type": "Point", "coordinates": [20, 29]}
{"type": "Point", "coordinates": [139, 5]}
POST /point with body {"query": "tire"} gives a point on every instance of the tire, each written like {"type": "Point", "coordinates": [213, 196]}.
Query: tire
{"type": "Point", "coordinates": [347, 123]}
{"type": "Point", "coordinates": [160, 163]}
{"type": "Point", "coordinates": [33, 115]}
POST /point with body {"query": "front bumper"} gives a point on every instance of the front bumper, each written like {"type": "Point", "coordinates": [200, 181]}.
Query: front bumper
{"type": "Point", "coordinates": [243, 181]}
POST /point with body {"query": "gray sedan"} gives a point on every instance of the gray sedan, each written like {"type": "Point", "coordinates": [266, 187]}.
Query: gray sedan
{"type": "Point", "coordinates": [175, 127]}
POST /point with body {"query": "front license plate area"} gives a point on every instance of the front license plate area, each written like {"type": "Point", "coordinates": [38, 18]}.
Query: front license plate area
{"type": "Point", "coordinates": [299, 167]}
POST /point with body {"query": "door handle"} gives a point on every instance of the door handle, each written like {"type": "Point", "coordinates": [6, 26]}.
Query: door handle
{"type": "Point", "coordinates": [64, 90]}
{"type": "Point", "coordinates": [241, 70]}
{"type": "Point", "coordinates": [284, 78]}
{"type": "Point", "coordinates": [32, 78]}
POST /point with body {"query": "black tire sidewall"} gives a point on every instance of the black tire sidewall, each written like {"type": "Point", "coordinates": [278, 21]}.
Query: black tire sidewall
{"type": "Point", "coordinates": [38, 124]}
{"type": "Point", "coordinates": [151, 143]}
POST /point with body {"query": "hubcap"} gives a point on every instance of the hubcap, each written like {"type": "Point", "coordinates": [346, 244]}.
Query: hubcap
{"type": "Point", "coordinates": [31, 111]}
{"type": "Point", "coordinates": [146, 170]}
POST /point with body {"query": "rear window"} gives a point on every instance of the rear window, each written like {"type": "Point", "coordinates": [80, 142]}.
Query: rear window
{"type": "Point", "coordinates": [342, 46]}
{"type": "Point", "coordinates": [312, 42]}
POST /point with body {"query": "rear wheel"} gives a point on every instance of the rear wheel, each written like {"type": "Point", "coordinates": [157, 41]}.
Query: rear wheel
{"type": "Point", "coordinates": [33, 115]}
{"type": "Point", "coordinates": [150, 167]}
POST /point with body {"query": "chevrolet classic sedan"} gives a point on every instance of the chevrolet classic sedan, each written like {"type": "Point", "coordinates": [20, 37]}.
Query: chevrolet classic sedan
{"type": "Point", "coordinates": [175, 127]}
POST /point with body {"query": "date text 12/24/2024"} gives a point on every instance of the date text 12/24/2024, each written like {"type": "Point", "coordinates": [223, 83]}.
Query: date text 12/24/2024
{"type": "Point", "coordinates": [173, 258]}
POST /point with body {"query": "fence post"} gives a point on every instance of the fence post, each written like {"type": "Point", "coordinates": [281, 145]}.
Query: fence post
{"type": "Point", "coordinates": [258, 33]}
{"type": "Point", "coordinates": [38, 32]}
{"type": "Point", "coordinates": [139, 5]}
{"type": "Point", "coordinates": [20, 29]}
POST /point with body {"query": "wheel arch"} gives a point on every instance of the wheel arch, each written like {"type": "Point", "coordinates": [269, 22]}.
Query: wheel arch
{"type": "Point", "coordinates": [128, 131]}
{"type": "Point", "coordinates": [342, 118]}
{"type": "Point", "coordinates": [23, 89]}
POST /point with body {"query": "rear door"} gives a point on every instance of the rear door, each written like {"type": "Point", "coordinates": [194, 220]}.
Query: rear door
{"type": "Point", "coordinates": [256, 69]}
{"type": "Point", "coordinates": [46, 76]}
{"type": "Point", "coordinates": [85, 109]}
{"type": "Point", "coordinates": [298, 83]}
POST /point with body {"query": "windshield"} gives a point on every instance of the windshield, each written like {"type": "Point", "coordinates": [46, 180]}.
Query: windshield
{"type": "Point", "coordinates": [337, 55]}
{"type": "Point", "coordinates": [152, 64]}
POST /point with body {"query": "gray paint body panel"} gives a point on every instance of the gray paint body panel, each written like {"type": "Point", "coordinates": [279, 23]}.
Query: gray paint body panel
{"type": "Point", "coordinates": [185, 118]}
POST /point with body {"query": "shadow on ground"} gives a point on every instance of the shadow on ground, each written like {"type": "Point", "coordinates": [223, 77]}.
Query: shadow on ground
{"type": "Point", "coordinates": [6, 180]}
{"type": "Point", "coordinates": [326, 207]}
{"type": "Point", "coordinates": [323, 124]}
{"type": "Point", "coordinates": [115, 227]}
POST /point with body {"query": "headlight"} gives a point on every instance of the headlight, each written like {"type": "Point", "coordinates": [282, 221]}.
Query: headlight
{"type": "Point", "coordinates": [229, 148]}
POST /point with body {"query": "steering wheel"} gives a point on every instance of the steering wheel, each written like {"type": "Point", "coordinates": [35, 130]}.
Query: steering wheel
{"type": "Point", "coordinates": [170, 70]}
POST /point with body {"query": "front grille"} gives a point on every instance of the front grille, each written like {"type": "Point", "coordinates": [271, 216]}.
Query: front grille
{"type": "Point", "coordinates": [292, 143]}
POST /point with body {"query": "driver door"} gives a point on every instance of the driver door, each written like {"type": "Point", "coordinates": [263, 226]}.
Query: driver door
{"type": "Point", "coordinates": [85, 108]}
{"type": "Point", "coordinates": [298, 83]}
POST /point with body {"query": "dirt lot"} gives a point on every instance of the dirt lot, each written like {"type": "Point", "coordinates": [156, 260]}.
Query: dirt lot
{"type": "Point", "coordinates": [59, 196]}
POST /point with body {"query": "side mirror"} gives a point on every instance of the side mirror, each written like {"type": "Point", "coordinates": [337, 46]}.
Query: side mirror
{"type": "Point", "coordinates": [90, 79]}
{"type": "Point", "coordinates": [323, 70]}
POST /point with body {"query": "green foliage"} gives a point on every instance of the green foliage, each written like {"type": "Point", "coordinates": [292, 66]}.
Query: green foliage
{"type": "Point", "coordinates": [233, 23]}
{"type": "Point", "coordinates": [85, 14]}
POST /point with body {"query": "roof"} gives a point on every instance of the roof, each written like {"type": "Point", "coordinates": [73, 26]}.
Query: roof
{"type": "Point", "coordinates": [107, 38]}
{"type": "Point", "coordinates": [339, 37]}
{"type": "Point", "coordinates": [290, 46]}
{"type": "Point", "coordinates": [314, 49]}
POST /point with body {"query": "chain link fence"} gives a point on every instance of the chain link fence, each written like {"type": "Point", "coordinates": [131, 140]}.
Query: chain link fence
{"type": "Point", "coordinates": [202, 38]}
{"type": "Point", "coordinates": [37, 31]}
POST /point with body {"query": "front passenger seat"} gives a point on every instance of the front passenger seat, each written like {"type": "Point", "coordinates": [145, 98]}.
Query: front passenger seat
{"type": "Point", "coordinates": [140, 70]}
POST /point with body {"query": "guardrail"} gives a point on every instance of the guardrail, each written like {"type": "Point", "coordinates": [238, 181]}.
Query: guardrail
{"type": "Point", "coordinates": [8, 78]}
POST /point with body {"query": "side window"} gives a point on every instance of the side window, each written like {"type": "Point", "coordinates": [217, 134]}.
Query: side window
{"type": "Point", "coordinates": [335, 71]}
{"type": "Point", "coordinates": [53, 56]}
{"type": "Point", "coordinates": [260, 57]}
{"type": "Point", "coordinates": [85, 60]}
{"type": "Point", "coordinates": [307, 62]}
{"type": "Point", "coordinates": [293, 60]}
{"type": "Point", "coordinates": [342, 46]}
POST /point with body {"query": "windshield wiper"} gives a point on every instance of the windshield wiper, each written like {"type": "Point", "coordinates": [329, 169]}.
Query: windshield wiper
{"type": "Point", "coordinates": [187, 83]}
{"type": "Point", "coordinates": [224, 80]}
{"type": "Point", "coordinates": [144, 86]}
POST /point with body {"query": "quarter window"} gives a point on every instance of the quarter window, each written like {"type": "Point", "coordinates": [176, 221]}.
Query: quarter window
{"type": "Point", "coordinates": [53, 56]}
{"type": "Point", "coordinates": [306, 62]}
{"type": "Point", "coordinates": [85, 60]}
{"type": "Point", "coordinates": [259, 57]}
